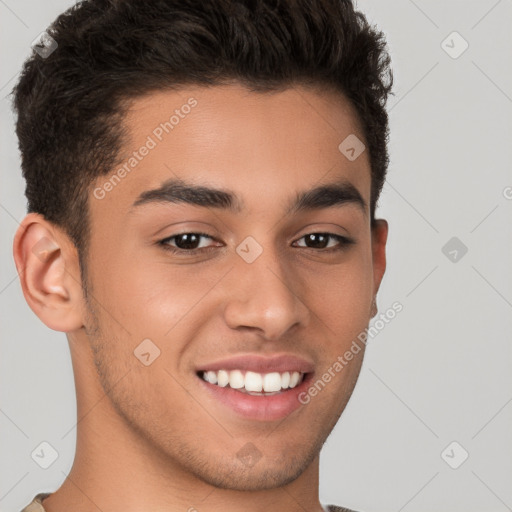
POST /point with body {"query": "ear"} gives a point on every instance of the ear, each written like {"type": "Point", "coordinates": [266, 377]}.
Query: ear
{"type": "Point", "coordinates": [47, 265]}
{"type": "Point", "coordinates": [379, 239]}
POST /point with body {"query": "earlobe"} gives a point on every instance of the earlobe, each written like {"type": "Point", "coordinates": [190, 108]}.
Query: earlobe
{"type": "Point", "coordinates": [48, 269]}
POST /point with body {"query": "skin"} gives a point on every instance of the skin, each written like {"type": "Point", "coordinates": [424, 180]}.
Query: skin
{"type": "Point", "coordinates": [148, 437]}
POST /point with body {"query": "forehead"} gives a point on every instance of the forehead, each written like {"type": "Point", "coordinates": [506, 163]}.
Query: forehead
{"type": "Point", "coordinates": [263, 146]}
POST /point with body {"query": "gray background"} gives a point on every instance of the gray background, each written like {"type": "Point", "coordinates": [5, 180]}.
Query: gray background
{"type": "Point", "coordinates": [440, 371]}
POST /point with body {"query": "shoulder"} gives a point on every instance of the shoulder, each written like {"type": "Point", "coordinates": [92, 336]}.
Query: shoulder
{"type": "Point", "coordinates": [36, 504]}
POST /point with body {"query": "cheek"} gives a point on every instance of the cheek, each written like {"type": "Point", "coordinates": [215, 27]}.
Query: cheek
{"type": "Point", "coordinates": [151, 299]}
{"type": "Point", "coordinates": [341, 296]}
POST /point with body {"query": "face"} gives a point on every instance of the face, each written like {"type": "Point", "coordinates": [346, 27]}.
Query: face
{"type": "Point", "coordinates": [229, 267]}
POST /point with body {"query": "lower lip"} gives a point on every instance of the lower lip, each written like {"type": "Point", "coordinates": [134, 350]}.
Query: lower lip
{"type": "Point", "coordinates": [260, 408]}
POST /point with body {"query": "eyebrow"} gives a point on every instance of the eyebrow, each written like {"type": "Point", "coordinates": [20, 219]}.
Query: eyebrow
{"type": "Point", "coordinates": [178, 191]}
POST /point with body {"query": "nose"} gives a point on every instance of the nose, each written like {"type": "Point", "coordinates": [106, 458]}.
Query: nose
{"type": "Point", "coordinates": [264, 295]}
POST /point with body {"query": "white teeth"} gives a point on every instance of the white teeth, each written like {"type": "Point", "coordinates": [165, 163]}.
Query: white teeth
{"type": "Point", "coordinates": [222, 378]}
{"type": "Point", "coordinates": [211, 377]}
{"type": "Point", "coordinates": [272, 382]}
{"type": "Point", "coordinates": [294, 379]}
{"type": "Point", "coordinates": [236, 379]}
{"type": "Point", "coordinates": [252, 382]}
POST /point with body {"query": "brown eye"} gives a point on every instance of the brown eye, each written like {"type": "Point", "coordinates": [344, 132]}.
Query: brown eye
{"type": "Point", "coordinates": [186, 242]}
{"type": "Point", "coordinates": [317, 240]}
{"type": "Point", "coordinates": [325, 241]}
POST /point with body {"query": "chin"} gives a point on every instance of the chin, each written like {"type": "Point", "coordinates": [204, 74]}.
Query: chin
{"type": "Point", "coordinates": [231, 471]}
{"type": "Point", "coordinates": [262, 476]}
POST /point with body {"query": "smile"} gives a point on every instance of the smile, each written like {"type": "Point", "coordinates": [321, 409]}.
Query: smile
{"type": "Point", "coordinates": [256, 387]}
{"type": "Point", "coordinates": [253, 383]}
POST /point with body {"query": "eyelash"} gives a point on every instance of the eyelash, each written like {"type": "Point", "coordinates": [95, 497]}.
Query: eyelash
{"type": "Point", "coordinates": [343, 241]}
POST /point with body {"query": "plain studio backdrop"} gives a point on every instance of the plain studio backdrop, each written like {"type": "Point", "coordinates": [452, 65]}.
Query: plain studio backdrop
{"type": "Point", "coordinates": [428, 427]}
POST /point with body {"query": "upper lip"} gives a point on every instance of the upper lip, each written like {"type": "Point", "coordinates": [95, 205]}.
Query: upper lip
{"type": "Point", "coordinates": [260, 364]}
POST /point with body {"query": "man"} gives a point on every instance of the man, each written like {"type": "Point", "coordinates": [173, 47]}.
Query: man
{"type": "Point", "coordinates": [202, 180]}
